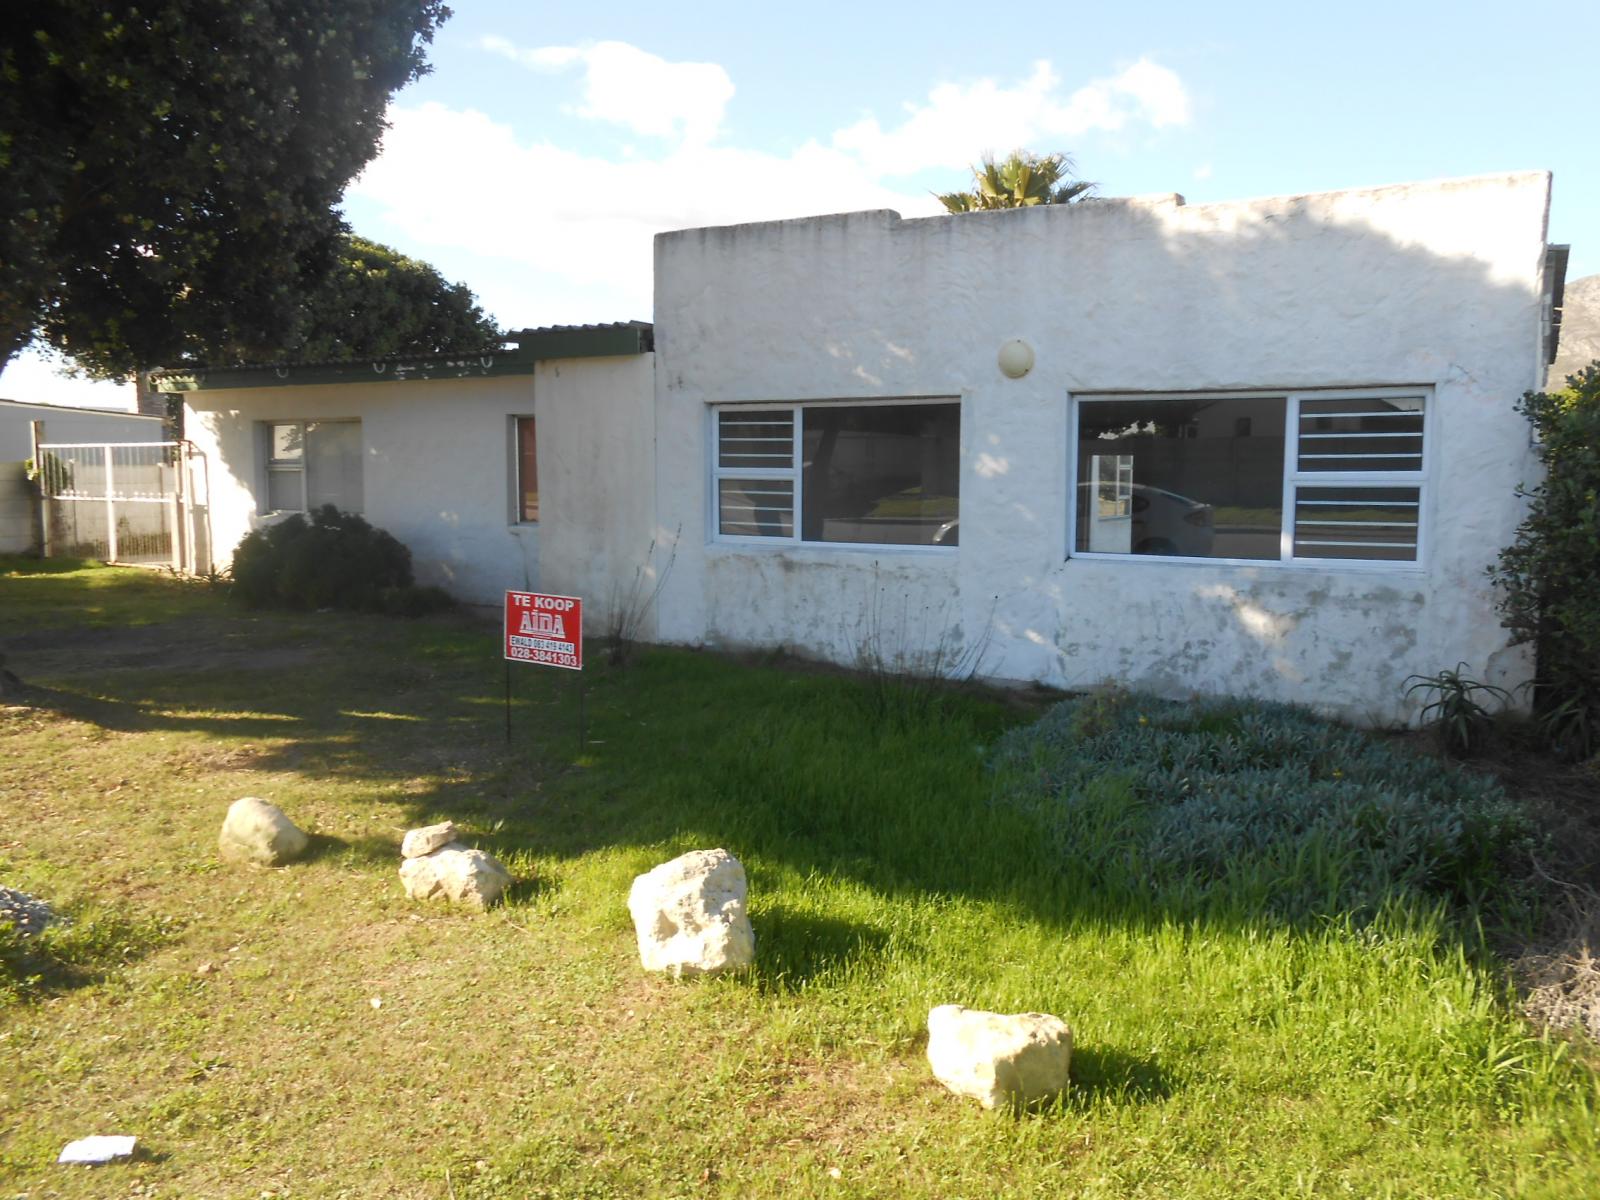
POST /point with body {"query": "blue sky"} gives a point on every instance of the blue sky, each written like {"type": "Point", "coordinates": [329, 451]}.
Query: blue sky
{"type": "Point", "coordinates": [551, 141]}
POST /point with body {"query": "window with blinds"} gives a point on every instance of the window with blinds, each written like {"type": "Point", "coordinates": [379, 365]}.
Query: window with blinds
{"type": "Point", "coordinates": [1350, 453]}
{"type": "Point", "coordinates": [755, 473]}
{"type": "Point", "coordinates": [1302, 477]}
{"type": "Point", "coordinates": [877, 474]}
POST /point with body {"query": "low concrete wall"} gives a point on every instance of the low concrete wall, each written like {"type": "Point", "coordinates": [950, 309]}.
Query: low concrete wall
{"type": "Point", "coordinates": [19, 521]}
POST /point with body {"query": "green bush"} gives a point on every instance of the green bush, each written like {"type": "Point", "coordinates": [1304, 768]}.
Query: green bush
{"type": "Point", "coordinates": [1256, 806]}
{"type": "Point", "coordinates": [334, 560]}
{"type": "Point", "coordinates": [1549, 577]}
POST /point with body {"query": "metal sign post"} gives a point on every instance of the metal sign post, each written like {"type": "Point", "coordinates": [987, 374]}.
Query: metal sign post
{"type": "Point", "coordinates": [544, 630]}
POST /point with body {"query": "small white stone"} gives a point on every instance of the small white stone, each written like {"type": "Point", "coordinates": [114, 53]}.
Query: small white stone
{"type": "Point", "coordinates": [689, 915]}
{"type": "Point", "coordinates": [427, 839]}
{"type": "Point", "coordinates": [455, 873]}
{"type": "Point", "coordinates": [1015, 1059]}
{"type": "Point", "coordinates": [101, 1148]}
{"type": "Point", "coordinates": [258, 832]}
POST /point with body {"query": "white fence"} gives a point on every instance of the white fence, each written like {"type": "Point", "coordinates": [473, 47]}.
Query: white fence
{"type": "Point", "coordinates": [128, 502]}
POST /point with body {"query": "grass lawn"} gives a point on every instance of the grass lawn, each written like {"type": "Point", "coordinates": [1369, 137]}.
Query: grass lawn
{"type": "Point", "coordinates": [310, 1032]}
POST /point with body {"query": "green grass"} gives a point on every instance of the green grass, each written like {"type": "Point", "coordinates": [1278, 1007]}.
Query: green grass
{"type": "Point", "coordinates": [225, 1015]}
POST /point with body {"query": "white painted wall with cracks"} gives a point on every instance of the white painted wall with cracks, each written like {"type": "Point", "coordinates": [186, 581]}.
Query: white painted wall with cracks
{"type": "Point", "coordinates": [1431, 283]}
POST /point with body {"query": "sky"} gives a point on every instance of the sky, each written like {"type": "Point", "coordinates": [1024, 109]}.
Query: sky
{"type": "Point", "coordinates": [552, 141]}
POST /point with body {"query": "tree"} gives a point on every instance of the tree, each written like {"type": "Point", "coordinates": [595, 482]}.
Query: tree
{"type": "Point", "coordinates": [377, 303]}
{"type": "Point", "coordinates": [1549, 577]}
{"type": "Point", "coordinates": [1021, 181]}
{"type": "Point", "coordinates": [171, 168]}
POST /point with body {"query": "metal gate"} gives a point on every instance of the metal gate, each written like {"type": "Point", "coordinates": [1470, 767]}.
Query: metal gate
{"type": "Point", "coordinates": [126, 502]}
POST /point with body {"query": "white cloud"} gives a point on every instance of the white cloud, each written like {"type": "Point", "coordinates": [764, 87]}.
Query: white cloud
{"type": "Point", "coordinates": [961, 122]}
{"type": "Point", "coordinates": [461, 180]}
{"type": "Point", "coordinates": [35, 376]}
{"type": "Point", "coordinates": [629, 86]}
{"type": "Point", "coordinates": [546, 233]}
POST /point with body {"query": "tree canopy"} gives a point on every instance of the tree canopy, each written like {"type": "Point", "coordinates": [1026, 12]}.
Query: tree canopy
{"type": "Point", "coordinates": [1022, 180]}
{"type": "Point", "coordinates": [171, 169]}
{"type": "Point", "coordinates": [377, 302]}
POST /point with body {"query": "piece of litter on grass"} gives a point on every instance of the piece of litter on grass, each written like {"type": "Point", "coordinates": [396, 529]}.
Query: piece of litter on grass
{"type": "Point", "coordinates": [835, 1173]}
{"type": "Point", "coordinates": [376, 1002]}
{"type": "Point", "coordinates": [101, 1148]}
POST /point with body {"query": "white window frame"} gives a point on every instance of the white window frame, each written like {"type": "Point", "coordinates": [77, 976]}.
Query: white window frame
{"type": "Point", "coordinates": [300, 466]}
{"type": "Point", "coordinates": [283, 466]}
{"type": "Point", "coordinates": [1293, 477]}
{"type": "Point", "coordinates": [795, 472]}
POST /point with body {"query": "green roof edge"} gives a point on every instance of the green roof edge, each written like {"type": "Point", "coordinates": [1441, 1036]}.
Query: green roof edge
{"type": "Point", "coordinates": [532, 346]}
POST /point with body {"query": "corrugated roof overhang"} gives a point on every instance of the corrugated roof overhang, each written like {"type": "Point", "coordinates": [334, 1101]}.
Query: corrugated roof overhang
{"type": "Point", "coordinates": [529, 346]}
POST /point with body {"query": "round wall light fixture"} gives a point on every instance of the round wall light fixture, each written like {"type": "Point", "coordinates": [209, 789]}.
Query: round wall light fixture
{"type": "Point", "coordinates": [1016, 358]}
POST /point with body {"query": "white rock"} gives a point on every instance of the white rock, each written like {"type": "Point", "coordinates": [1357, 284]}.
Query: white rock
{"type": "Point", "coordinates": [1015, 1059]}
{"type": "Point", "coordinates": [101, 1148]}
{"type": "Point", "coordinates": [427, 839]}
{"type": "Point", "coordinates": [258, 832]}
{"type": "Point", "coordinates": [689, 915]}
{"type": "Point", "coordinates": [454, 872]}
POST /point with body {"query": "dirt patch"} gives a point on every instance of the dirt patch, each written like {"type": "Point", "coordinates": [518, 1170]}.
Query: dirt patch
{"type": "Point", "coordinates": [1561, 984]}
{"type": "Point", "coordinates": [1558, 970]}
{"type": "Point", "coordinates": [196, 644]}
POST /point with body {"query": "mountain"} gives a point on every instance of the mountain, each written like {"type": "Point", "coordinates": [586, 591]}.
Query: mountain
{"type": "Point", "coordinates": [1580, 330]}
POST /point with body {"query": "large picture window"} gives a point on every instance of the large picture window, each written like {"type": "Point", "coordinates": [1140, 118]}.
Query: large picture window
{"type": "Point", "coordinates": [312, 463]}
{"type": "Point", "coordinates": [1298, 477]}
{"type": "Point", "coordinates": [865, 474]}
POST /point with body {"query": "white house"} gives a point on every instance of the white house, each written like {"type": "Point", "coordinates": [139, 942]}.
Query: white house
{"type": "Point", "coordinates": [498, 471]}
{"type": "Point", "coordinates": [1264, 447]}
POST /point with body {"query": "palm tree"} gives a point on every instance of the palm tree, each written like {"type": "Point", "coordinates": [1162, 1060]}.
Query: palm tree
{"type": "Point", "coordinates": [1021, 181]}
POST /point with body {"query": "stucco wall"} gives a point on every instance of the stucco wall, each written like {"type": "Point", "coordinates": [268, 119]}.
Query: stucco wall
{"type": "Point", "coordinates": [19, 519]}
{"type": "Point", "coordinates": [68, 425]}
{"type": "Point", "coordinates": [1434, 284]}
{"type": "Point", "coordinates": [438, 470]}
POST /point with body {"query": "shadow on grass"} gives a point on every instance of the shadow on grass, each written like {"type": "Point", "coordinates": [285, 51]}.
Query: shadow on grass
{"type": "Point", "coordinates": [77, 949]}
{"type": "Point", "coordinates": [1102, 1074]}
{"type": "Point", "coordinates": [325, 847]}
{"type": "Point", "coordinates": [525, 889]}
{"type": "Point", "coordinates": [786, 769]}
{"type": "Point", "coordinates": [794, 947]}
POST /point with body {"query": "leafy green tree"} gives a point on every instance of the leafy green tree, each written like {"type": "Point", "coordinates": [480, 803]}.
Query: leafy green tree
{"type": "Point", "coordinates": [378, 302]}
{"type": "Point", "coordinates": [1021, 181]}
{"type": "Point", "coordinates": [169, 170]}
{"type": "Point", "coordinates": [1549, 576]}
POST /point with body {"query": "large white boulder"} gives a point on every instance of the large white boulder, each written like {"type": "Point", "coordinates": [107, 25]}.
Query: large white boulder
{"type": "Point", "coordinates": [689, 915]}
{"type": "Point", "coordinates": [456, 873]}
{"type": "Point", "coordinates": [1014, 1059]}
{"type": "Point", "coordinates": [258, 832]}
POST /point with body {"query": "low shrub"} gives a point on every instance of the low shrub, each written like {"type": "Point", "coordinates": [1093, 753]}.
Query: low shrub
{"type": "Point", "coordinates": [334, 560]}
{"type": "Point", "coordinates": [72, 950]}
{"type": "Point", "coordinates": [1261, 806]}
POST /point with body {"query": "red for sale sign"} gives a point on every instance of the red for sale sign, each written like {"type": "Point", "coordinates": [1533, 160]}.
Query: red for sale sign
{"type": "Point", "coordinates": [547, 630]}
